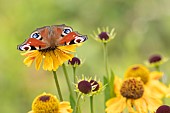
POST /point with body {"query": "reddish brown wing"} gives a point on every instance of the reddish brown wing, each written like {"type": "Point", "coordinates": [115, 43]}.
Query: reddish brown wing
{"type": "Point", "coordinates": [38, 40]}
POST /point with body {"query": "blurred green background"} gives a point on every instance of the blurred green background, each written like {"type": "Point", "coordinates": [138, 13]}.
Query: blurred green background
{"type": "Point", "coordinates": [142, 28]}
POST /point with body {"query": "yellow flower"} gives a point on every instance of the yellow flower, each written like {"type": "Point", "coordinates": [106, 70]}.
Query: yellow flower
{"type": "Point", "coordinates": [52, 58]}
{"type": "Point", "coordinates": [48, 103]}
{"type": "Point", "coordinates": [131, 94]}
{"type": "Point", "coordinates": [150, 79]}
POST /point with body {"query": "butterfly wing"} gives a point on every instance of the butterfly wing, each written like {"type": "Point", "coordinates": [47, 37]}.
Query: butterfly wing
{"type": "Point", "coordinates": [67, 35]}
{"type": "Point", "coordinates": [38, 40]}
{"type": "Point", "coordinates": [51, 37]}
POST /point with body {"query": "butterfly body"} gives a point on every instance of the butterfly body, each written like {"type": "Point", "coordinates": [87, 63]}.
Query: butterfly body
{"type": "Point", "coordinates": [51, 37]}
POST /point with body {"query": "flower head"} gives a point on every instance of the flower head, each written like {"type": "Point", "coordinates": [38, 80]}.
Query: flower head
{"type": "Point", "coordinates": [74, 61]}
{"type": "Point", "coordinates": [52, 58]}
{"type": "Point", "coordinates": [89, 86]}
{"type": "Point", "coordinates": [130, 94]}
{"type": "Point", "coordinates": [138, 70]}
{"type": "Point", "coordinates": [156, 60]}
{"type": "Point", "coordinates": [163, 109]}
{"type": "Point", "coordinates": [48, 103]}
{"type": "Point", "coordinates": [104, 35]}
{"type": "Point", "coordinates": [150, 79]}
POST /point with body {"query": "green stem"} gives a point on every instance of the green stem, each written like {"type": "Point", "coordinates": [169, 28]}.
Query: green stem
{"type": "Point", "coordinates": [157, 68]}
{"type": "Point", "coordinates": [57, 85]}
{"type": "Point", "coordinates": [105, 59]}
{"type": "Point", "coordinates": [67, 79]}
{"type": "Point", "coordinates": [91, 104]}
{"type": "Point", "coordinates": [74, 74]}
{"type": "Point", "coordinates": [77, 107]}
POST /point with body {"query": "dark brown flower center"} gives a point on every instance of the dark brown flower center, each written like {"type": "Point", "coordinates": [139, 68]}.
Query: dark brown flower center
{"type": "Point", "coordinates": [155, 58]}
{"type": "Point", "coordinates": [163, 109]}
{"type": "Point", "coordinates": [132, 89]}
{"type": "Point", "coordinates": [103, 36]}
{"type": "Point", "coordinates": [84, 86]}
{"type": "Point", "coordinates": [74, 61]}
{"type": "Point", "coordinates": [44, 98]}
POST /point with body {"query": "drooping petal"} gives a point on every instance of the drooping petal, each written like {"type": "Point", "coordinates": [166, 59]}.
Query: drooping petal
{"type": "Point", "coordinates": [48, 62]}
{"type": "Point", "coordinates": [153, 103]}
{"type": "Point", "coordinates": [38, 61]}
{"type": "Point", "coordinates": [116, 105]}
{"type": "Point", "coordinates": [28, 61]}
{"type": "Point", "coordinates": [140, 105]}
{"type": "Point", "coordinates": [117, 85]}
{"type": "Point", "coordinates": [63, 56]}
{"type": "Point", "coordinates": [129, 106]}
{"type": "Point", "coordinates": [56, 60]}
{"type": "Point", "coordinates": [157, 88]}
{"type": "Point", "coordinates": [65, 107]}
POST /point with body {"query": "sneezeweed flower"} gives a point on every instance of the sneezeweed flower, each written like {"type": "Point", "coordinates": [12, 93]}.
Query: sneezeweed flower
{"type": "Point", "coordinates": [52, 58]}
{"type": "Point", "coordinates": [48, 103]}
{"type": "Point", "coordinates": [156, 60]}
{"type": "Point", "coordinates": [74, 62]}
{"type": "Point", "coordinates": [130, 94]}
{"type": "Point", "coordinates": [150, 79]}
{"type": "Point", "coordinates": [104, 35]}
{"type": "Point", "coordinates": [163, 109]}
{"type": "Point", "coordinates": [89, 86]}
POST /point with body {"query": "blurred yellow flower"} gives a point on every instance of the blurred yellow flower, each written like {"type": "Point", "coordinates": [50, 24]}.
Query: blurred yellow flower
{"type": "Point", "coordinates": [48, 103]}
{"type": "Point", "coordinates": [52, 58]}
{"type": "Point", "coordinates": [168, 92]}
{"type": "Point", "coordinates": [131, 94]}
{"type": "Point", "coordinates": [150, 79]}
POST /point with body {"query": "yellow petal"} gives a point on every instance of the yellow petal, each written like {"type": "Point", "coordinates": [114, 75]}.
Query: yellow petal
{"type": "Point", "coordinates": [117, 85]}
{"type": "Point", "coordinates": [140, 105]}
{"type": "Point", "coordinates": [65, 107]}
{"type": "Point", "coordinates": [116, 105]}
{"type": "Point", "coordinates": [157, 88]}
{"type": "Point", "coordinates": [156, 75]}
{"type": "Point", "coordinates": [31, 53]}
{"type": "Point", "coordinates": [56, 60]}
{"type": "Point", "coordinates": [152, 102]}
{"type": "Point", "coordinates": [28, 61]}
{"type": "Point", "coordinates": [63, 56]}
{"type": "Point", "coordinates": [48, 62]}
{"type": "Point", "coordinates": [69, 48]}
{"type": "Point", "coordinates": [38, 61]}
{"type": "Point", "coordinates": [129, 106]}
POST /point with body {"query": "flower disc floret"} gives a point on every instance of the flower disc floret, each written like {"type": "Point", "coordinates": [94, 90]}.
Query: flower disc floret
{"type": "Point", "coordinates": [132, 88]}
{"type": "Point", "coordinates": [84, 87]}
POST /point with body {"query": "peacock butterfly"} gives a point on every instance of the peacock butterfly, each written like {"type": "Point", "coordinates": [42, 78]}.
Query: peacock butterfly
{"type": "Point", "coordinates": [49, 37]}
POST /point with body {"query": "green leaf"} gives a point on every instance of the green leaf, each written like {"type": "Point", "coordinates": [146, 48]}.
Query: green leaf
{"type": "Point", "coordinates": [107, 89]}
{"type": "Point", "coordinates": [111, 85]}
